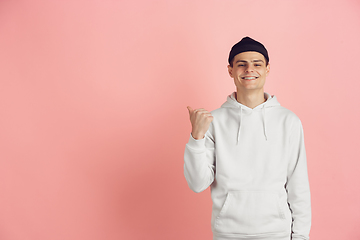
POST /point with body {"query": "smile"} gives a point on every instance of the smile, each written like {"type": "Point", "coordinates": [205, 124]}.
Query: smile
{"type": "Point", "coordinates": [249, 78]}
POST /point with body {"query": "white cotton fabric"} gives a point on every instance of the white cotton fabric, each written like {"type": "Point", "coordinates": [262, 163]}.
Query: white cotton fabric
{"type": "Point", "coordinates": [255, 163]}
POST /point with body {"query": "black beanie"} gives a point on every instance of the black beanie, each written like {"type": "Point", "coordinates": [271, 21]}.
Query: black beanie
{"type": "Point", "coordinates": [246, 45]}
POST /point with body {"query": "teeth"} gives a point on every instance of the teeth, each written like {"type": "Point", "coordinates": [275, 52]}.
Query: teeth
{"type": "Point", "coordinates": [248, 78]}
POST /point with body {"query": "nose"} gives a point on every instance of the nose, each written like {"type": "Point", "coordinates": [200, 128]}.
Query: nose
{"type": "Point", "coordinates": [249, 68]}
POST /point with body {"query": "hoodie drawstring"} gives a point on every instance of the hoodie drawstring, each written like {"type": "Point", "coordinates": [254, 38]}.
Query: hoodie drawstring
{"type": "Point", "coordinates": [240, 118]}
{"type": "Point", "coordinates": [264, 121]}
{"type": "Point", "coordinates": [263, 111]}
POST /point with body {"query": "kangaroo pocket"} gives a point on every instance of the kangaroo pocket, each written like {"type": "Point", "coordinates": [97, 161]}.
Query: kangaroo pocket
{"type": "Point", "coordinates": [252, 212]}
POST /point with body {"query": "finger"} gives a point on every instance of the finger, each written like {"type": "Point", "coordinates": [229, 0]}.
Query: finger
{"type": "Point", "coordinates": [200, 112]}
{"type": "Point", "coordinates": [204, 113]}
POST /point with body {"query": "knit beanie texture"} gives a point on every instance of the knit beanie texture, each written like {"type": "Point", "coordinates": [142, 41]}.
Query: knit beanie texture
{"type": "Point", "coordinates": [248, 44]}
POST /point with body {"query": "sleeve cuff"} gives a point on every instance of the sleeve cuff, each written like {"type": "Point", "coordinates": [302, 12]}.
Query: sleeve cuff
{"type": "Point", "coordinates": [196, 143]}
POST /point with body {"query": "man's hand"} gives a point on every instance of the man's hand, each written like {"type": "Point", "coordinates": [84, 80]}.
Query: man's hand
{"type": "Point", "coordinates": [200, 121]}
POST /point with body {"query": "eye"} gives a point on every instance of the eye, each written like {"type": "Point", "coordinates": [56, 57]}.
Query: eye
{"type": "Point", "coordinates": [257, 65]}
{"type": "Point", "coordinates": [241, 65]}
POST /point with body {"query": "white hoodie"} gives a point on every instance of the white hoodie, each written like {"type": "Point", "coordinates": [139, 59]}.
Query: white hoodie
{"type": "Point", "coordinates": [255, 163]}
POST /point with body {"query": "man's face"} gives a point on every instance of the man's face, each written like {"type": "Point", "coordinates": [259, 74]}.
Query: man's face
{"type": "Point", "coordinates": [249, 71]}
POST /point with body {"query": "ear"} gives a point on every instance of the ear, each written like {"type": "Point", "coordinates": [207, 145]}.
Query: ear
{"type": "Point", "coordinates": [230, 70]}
{"type": "Point", "coordinates": [267, 69]}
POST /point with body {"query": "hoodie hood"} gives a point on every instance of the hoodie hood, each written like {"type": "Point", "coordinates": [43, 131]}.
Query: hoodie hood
{"type": "Point", "coordinates": [270, 102]}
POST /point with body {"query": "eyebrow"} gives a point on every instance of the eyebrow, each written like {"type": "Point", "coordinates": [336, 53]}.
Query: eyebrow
{"type": "Point", "coordinates": [256, 60]}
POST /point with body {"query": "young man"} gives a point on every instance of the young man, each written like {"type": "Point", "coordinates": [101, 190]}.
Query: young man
{"type": "Point", "coordinates": [251, 153]}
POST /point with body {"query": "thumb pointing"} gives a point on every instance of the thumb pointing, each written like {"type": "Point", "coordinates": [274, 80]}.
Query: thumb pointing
{"type": "Point", "coordinates": [190, 109]}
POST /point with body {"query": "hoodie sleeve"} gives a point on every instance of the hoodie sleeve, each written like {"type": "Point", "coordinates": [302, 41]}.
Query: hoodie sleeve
{"type": "Point", "coordinates": [297, 185]}
{"type": "Point", "coordinates": [199, 167]}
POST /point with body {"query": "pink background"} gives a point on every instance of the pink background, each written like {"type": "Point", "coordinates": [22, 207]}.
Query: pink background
{"type": "Point", "coordinates": [94, 123]}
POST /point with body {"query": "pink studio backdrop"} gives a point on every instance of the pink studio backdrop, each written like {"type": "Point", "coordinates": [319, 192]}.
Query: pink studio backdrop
{"type": "Point", "coordinates": [94, 123]}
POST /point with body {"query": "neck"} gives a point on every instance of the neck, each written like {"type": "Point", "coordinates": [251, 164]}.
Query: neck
{"type": "Point", "coordinates": [250, 99]}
